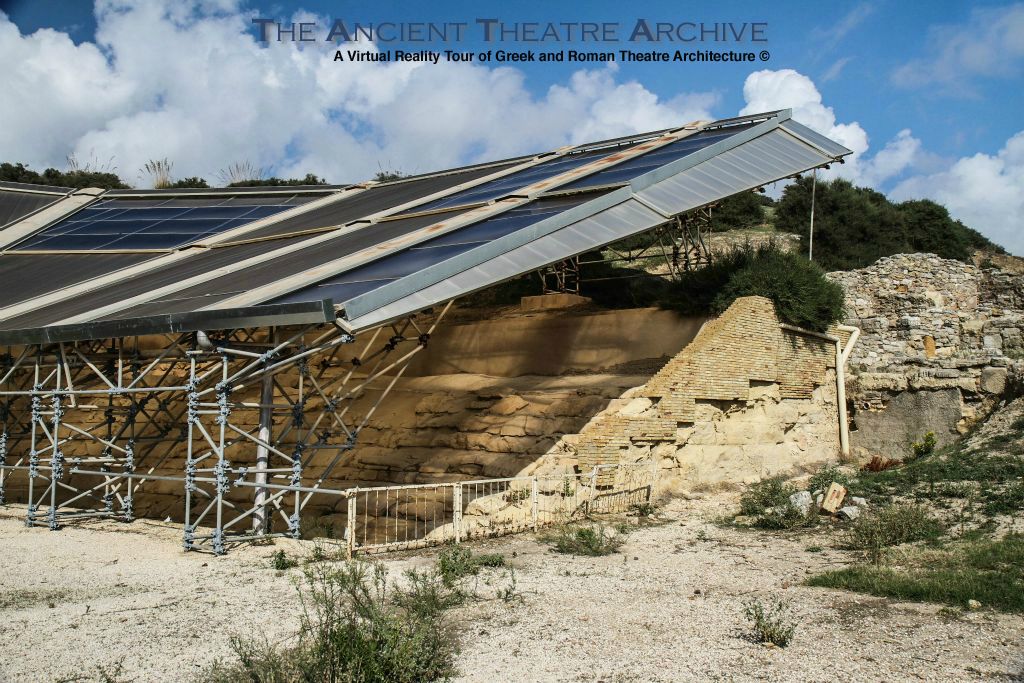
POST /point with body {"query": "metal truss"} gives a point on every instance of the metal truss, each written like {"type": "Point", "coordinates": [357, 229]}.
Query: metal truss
{"type": "Point", "coordinates": [257, 419]}
{"type": "Point", "coordinates": [562, 277]}
{"type": "Point", "coordinates": [682, 242]}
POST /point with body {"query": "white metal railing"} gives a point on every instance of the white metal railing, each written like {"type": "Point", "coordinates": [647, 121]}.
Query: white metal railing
{"type": "Point", "coordinates": [388, 518]}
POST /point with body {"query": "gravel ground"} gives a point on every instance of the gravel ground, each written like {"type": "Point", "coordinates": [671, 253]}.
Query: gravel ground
{"type": "Point", "coordinates": [668, 607]}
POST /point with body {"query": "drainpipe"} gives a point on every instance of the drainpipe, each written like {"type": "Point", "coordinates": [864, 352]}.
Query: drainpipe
{"type": "Point", "coordinates": [842, 354]}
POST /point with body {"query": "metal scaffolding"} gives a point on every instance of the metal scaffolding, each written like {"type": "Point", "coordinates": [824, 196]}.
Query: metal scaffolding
{"type": "Point", "coordinates": [93, 424]}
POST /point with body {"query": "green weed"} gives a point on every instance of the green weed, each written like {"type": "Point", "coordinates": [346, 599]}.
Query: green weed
{"type": "Point", "coordinates": [770, 623]}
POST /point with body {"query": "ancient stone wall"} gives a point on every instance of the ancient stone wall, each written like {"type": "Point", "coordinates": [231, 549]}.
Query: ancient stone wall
{"type": "Point", "coordinates": [940, 339]}
{"type": "Point", "coordinates": [746, 399]}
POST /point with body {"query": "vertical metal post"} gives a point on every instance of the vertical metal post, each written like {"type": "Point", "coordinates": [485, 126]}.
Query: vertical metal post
{"type": "Point", "coordinates": [350, 525]}
{"type": "Point", "coordinates": [56, 457]}
{"type": "Point", "coordinates": [222, 477]}
{"type": "Point", "coordinates": [810, 241]}
{"type": "Point", "coordinates": [188, 533]}
{"type": "Point", "coordinates": [593, 490]}
{"type": "Point", "coordinates": [259, 517]}
{"type": "Point", "coordinates": [534, 502]}
{"type": "Point", "coordinates": [33, 456]}
{"type": "Point", "coordinates": [457, 511]}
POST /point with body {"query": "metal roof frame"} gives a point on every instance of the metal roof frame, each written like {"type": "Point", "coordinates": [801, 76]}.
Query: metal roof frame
{"type": "Point", "coordinates": [512, 200]}
{"type": "Point", "coordinates": [643, 204]}
{"type": "Point", "coordinates": [773, 148]}
{"type": "Point", "coordinates": [326, 234]}
{"type": "Point", "coordinates": [301, 313]}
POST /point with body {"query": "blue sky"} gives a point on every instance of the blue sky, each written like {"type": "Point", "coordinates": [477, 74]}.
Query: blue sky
{"type": "Point", "coordinates": [929, 94]}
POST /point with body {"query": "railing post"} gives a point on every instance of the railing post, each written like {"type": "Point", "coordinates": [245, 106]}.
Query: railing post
{"type": "Point", "coordinates": [593, 490]}
{"type": "Point", "coordinates": [534, 503]}
{"type": "Point", "coordinates": [350, 527]}
{"type": "Point", "coordinates": [457, 511]}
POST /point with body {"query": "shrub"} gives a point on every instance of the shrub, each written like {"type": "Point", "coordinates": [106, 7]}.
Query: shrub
{"type": "Point", "coordinates": [855, 226]}
{"type": "Point", "coordinates": [765, 494]}
{"type": "Point", "coordinates": [592, 540]}
{"type": "Point", "coordinates": [770, 623]}
{"type": "Point", "coordinates": [926, 446]}
{"type": "Point", "coordinates": [785, 517]}
{"type": "Point", "coordinates": [802, 295]}
{"type": "Point", "coordinates": [893, 526]}
{"type": "Point", "coordinates": [740, 211]}
{"type": "Point", "coordinates": [821, 479]}
{"type": "Point", "coordinates": [353, 628]}
{"type": "Point", "coordinates": [280, 561]}
{"type": "Point", "coordinates": [458, 561]}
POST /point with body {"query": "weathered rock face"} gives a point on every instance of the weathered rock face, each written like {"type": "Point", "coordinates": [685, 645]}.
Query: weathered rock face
{"type": "Point", "coordinates": [945, 331]}
{"type": "Point", "coordinates": [746, 399]}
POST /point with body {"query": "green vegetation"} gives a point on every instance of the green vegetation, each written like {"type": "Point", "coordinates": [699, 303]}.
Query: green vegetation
{"type": "Point", "coordinates": [458, 561]}
{"type": "Point", "coordinates": [990, 571]}
{"type": "Point", "coordinates": [741, 211]}
{"type": "Point", "coordinates": [798, 288]}
{"type": "Point", "coordinates": [281, 561]}
{"type": "Point", "coordinates": [827, 474]}
{"type": "Point", "coordinates": [962, 558]}
{"type": "Point", "coordinates": [893, 526]}
{"type": "Point", "coordinates": [949, 474]}
{"type": "Point", "coordinates": [310, 179]}
{"type": "Point", "coordinates": [855, 226]}
{"type": "Point", "coordinates": [926, 446]}
{"type": "Point", "coordinates": [193, 181]}
{"type": "Point", "coordinates": [76, 177]}
{"type": "Point", "coordinates": [592, 540]}
{"type": "Point", "coordinates": [355, 627]}
{"type": "Point", "coordinates": [770, 623]}
{"type": "Point", "coordinates": [765, 494]}
{"type": "Point", "coordinates": [767, 501]}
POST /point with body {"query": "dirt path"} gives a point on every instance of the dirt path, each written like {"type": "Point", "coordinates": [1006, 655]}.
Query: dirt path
{"type": "Point", "coordinates": [667, 608]}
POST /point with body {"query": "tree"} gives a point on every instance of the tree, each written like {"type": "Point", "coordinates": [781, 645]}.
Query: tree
{"type": "Point", "coordinates": [78, 178]}
{"type": "Point", "coordinates": [801, 293]}
{"type": "Point", "coordinates": [193, 181]}
{"type": "Point", "coordinates": [310, 179]}
{"type": "Point", "coordinates": [738, 212]}
{"type": "Point", "coordinates": [855, 226]}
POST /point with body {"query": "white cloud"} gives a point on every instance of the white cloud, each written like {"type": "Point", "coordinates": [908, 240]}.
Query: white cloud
{"type": "Point", "coordinates": [186, 80]}
{"type": "Point", "coordinates": [851, 20]}
{"type": "Point", "coordinates": [984, 191]}
{"type": "Point", "coordinates": [788, 89]}
{"type": "Point", "coordinates": [991, 43]}
{"type": "Point", "coordinates": [833, 72]}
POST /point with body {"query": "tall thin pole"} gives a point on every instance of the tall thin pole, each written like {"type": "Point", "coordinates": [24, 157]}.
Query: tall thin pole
{"type": "Point", "coordinates": [810, 242]}
{"type": "Point", "coordinates": [259, 518]}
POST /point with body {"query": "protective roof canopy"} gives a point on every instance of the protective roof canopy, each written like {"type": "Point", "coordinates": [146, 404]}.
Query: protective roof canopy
{"type": "Point", "coordinates": [137, 262]}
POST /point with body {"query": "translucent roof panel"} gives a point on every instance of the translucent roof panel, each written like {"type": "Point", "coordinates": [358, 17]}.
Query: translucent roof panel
{"type": "Point", "coordinates": [372, 275]}
{"type": "Point", "coordinates": [137, 224]}
{"type": "Point", "coordinates": [508, 184]}
{"type": "Point", "coordinates": [639, 165]}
